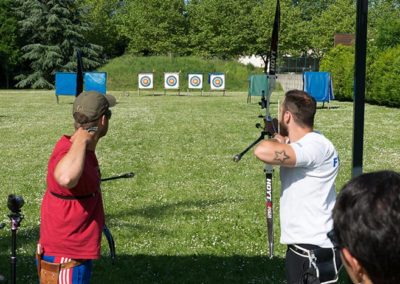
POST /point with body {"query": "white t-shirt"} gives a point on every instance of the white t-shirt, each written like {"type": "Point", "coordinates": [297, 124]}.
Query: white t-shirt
{"type": "Point", "coordinates": [308, 192]}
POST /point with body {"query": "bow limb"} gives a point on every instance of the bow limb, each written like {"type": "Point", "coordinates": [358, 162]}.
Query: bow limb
{"type": "Point", "coordinates": [79, 73]}
{"type": "Point", "coordinates": [111, 243]}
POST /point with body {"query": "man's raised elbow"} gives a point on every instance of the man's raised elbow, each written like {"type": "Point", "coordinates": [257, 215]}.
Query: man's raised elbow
{"type": "Point", "coordinates": [66, 181]}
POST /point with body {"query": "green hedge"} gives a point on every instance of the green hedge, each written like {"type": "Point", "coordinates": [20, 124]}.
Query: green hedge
{"type": "Point", "coordinates": [340, 62]}
{"type": "Point", "coordinates": [384, 79]}
{"type": "Point", "coordinates": [383, 74]}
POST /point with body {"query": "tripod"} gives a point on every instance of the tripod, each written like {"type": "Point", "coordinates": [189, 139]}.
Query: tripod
{"type": "Point", "coordinates": [16, 219]}
{"type": "Point", "coordinates": [2, 278]}
{"type": "Point", "coordinates": [14, 203]}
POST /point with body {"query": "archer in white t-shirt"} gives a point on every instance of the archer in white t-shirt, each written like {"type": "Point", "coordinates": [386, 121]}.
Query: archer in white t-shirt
{"type": "Point", "coordinates": [309, 165]}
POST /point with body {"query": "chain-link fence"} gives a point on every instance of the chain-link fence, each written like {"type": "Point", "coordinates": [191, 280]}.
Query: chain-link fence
{"type": "Point", "coordinates": [297, 64]}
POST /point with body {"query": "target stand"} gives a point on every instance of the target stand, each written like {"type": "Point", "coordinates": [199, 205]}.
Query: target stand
{"type": "Point", "coordinates": [217, 82]}
{"type": "Point", "coordinates": [171, 82]}
{"type": "Point", "coordinates": [195, 82]}
{"type": "Point", "coordinates": [146, 82]}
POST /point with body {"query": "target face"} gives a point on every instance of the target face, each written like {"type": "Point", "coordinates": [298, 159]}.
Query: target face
{"type": "Point", "coordinates": [217, 82]}
{"type": "Point", "coordinates": [195, 81]}
{"type": "Point", "coordinates": [171, 80]}
{"type": "Point", "coordinates": [145, 81]}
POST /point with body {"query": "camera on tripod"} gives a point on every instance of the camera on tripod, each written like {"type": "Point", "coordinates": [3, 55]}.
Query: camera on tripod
{"type": "Point", "coordinates": [15, 203]}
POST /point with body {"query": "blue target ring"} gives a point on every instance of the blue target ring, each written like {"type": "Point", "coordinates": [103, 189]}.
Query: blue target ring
{"type": "Point", "coordinates": [217, 81]}
{"type": "Point", "coordinates": [195, 81]}
{"type": "Point", "coordinates": [145, 81]}
{"type": "Point", "coordinates": [171, 81]}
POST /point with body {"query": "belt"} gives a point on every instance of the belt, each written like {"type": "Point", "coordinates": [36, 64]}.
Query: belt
{"type": "Point", "coordinates": [73, 197]}
{"type": "Point", "coordinates": [299, 250]}
{"type": "Point", "coordinates": [321, 253]}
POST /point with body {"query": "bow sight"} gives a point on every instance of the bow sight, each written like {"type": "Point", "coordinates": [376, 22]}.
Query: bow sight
{"type": "Point", "coordinates": [270, 126]}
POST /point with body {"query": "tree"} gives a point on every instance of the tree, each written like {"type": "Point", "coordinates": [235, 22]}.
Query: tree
{"type": "Point", "coordinates": [222, 29]}
{"type": "Point", "coordinates": [384, 24]}
{"type": "Point", "coordinates": [53, 31]}
{"type": "Point", "coordinates": [154, 27]}
{"type": "Point", "coordinates": [339, 17]}
{"type": "Point", "coordinates": [293, 38]}
{"type": "Point", "coordinates": [310, 9]}
{"type": "Point", "coordinates": [103, 17]}
{"type": "Point", "coordinates": [9, 51]}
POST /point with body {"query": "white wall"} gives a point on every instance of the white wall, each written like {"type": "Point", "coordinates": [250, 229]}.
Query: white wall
{"type": "Point", "coordinates": [290, 81]}
{"type": "Point", "coordinates": [256, 61]}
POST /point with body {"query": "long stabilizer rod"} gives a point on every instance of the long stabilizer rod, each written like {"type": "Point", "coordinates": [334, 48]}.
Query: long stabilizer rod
{"type": "Point", "coordinates": [127, 175]}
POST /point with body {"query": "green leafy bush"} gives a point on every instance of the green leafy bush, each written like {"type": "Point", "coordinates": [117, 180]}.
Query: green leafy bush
{"type": "Point", "coordinates": [340, 62]}
{"type": "Point", "coordinates": [383, 81]}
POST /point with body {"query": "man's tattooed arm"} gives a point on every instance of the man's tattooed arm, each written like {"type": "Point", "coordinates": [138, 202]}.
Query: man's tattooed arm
{"type": "Point", "coordinates": [281, 156]}
{"type": "Point", "coordinates": [274, 153]}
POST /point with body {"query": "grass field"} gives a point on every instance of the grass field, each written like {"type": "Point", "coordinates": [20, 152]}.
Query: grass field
{"type": "Point", "coordinates": [190, 215]}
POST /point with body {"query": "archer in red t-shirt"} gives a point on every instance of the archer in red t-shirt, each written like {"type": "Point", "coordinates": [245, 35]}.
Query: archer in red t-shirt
{"type": "Point", "coordinates": [72, 214]}
{"type": "Point", "coordinates": [72, 227]}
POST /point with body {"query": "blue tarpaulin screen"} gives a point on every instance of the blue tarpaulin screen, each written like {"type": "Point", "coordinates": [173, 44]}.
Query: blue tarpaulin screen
{"type": "Point", "coordinates": [318, 85]}
{"type": "Point", "coordinates": [95, 81]}
{"type": "Point", "coordinates": [65, 84]}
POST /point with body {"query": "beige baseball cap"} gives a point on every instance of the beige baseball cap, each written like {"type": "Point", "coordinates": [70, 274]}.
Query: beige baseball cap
{"type": "Point", "coordinates": [92, 104]}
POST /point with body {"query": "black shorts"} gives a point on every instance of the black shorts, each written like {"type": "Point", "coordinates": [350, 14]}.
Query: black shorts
{"type": "Point", "coordinates": [311, 264]}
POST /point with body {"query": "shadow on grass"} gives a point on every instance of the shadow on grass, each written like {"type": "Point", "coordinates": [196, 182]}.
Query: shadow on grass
{"type": "Point", "coordinates": [26, 237]}
{"type": "Point", "coordinates": [152, 268]}
{"type": "Point", "coordinates": [189, 269]}
{"type": "Point", "coordinates": [174, 269]}
{"type": "Point", "coordinates": [155, 268]}
{"type": "Point", "coordinates": [171, 269]}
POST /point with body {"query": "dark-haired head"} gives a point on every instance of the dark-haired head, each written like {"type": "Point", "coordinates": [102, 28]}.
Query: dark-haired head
{"type": "Point", "coordinates": [302, 106]}
{"type": "Point", "coordinates": [367, 224]}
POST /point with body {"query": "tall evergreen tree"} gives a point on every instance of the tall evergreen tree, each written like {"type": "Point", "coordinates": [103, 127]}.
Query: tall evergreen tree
{"type": "Point", "coordinates": [52, 30]}
{"type": "Point", "coordinates": [9, 51]}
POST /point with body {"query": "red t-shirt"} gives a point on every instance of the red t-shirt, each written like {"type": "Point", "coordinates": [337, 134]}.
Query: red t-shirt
{"type": "Point", "coordinates": [72, 228]}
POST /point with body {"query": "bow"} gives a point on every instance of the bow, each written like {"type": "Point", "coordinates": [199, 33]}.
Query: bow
{"type": "Point", "coordinates": [273, 54]}
{"type": "Point", "coordinates": [79, 90]}
{"type": "Point", "coordinates": [270, 126]}
{"type": "Point", "coordinates": [79, 73]}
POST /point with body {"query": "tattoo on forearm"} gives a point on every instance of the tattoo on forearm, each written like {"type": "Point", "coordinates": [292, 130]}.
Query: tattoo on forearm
{"type": "Point", "coordinates": [281, 156]}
